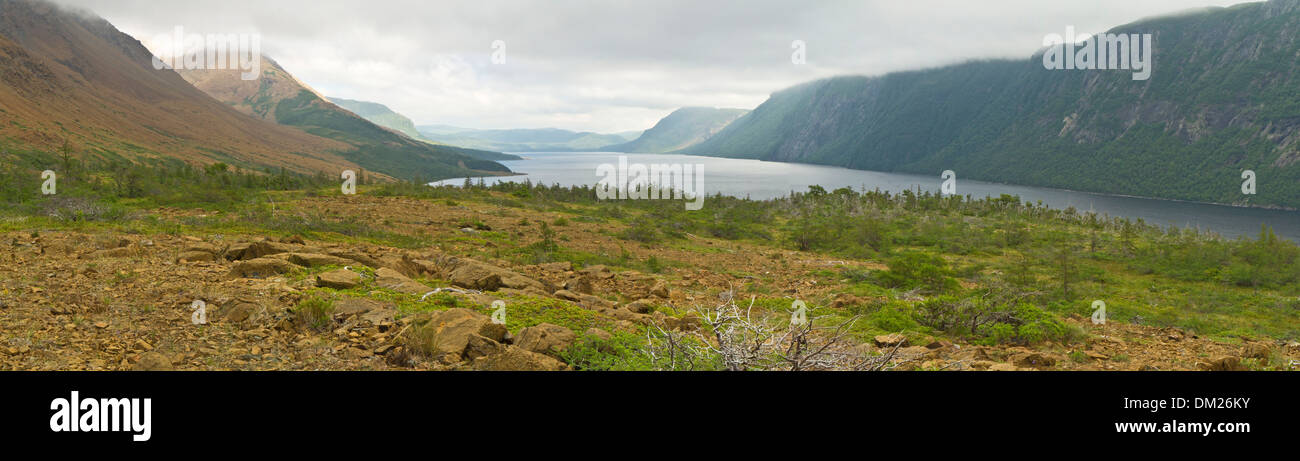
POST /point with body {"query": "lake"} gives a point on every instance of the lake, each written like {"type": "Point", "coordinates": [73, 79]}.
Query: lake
{"type": "Point", "coordinates": [759, 179]}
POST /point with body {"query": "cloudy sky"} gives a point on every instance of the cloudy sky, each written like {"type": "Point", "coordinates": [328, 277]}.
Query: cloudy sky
{"type": "Point", "coordinates": [609, 66]}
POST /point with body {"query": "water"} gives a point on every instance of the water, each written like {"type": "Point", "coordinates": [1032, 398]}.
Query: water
{"type": "Point", "coordinates": [764, 180]}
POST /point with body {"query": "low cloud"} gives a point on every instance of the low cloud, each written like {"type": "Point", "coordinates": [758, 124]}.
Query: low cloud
{"type": "Point", "coordinates": [611, 66]}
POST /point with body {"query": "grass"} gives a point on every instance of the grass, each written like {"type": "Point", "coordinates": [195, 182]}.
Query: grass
{"type": "Point", "coordinates": [1037, 264]}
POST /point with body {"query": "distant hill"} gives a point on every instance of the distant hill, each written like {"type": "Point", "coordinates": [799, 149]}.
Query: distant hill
{"type": "Point", "coordinates": [280, 97]}
{"type": "Point", "coordinates": [682, 128]}
{"type": "Point", "coordinates": [1224, 97]}
{"type": "Point", "coordinates": [379, 114]}
{"type": "Point", "coordinates": [520, 140]}
{"type": "Point", "coordinates": [71, 77]}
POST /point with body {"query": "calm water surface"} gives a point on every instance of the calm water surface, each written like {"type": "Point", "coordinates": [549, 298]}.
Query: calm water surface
{"type": "Point", "coordinates": [764, 180]}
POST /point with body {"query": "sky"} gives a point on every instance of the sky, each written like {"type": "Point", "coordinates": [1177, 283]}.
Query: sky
{"type": "Point", "coordinates": [611, 65]}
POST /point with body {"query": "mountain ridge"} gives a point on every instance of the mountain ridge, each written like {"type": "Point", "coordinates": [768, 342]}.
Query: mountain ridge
{"type": "Point", "coordinates": [1224, 97]}
{"type": "Point", "coordinates": [680, 129]}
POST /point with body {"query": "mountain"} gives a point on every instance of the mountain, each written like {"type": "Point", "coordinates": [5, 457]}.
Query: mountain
{"type": "Point", "coordinates": [280, 97]}
{"type": "Point", "coordinates": [70, 78]}
{"type": "Point", "coordinates": [680, 129]}
{"type": "Point", "coordinates": [380, 115]}
{"type": "Point", "coordinates": [520, 140]}
{"type": "Point", "coordinates": [1224, 97]}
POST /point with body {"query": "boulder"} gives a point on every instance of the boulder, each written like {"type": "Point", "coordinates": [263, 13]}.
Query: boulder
{"type": "Point", "coordinates": [516, 359]}
{"type": "Point", "coordinates": [568, 296]}
{"type": "Point", "coordinates": [480, 346]}
{"type": "Point", "coordinates": [153, 361]}
{"type": "Point", "coordinates": [317, 260]}
{"type": "Point", "coordinates": [254, 250]}
{"type": "Point", "coordinates": [545, 338]}
{"type": "Point", "coordinates": [641, 306]}
{"type": "Point", "coordinates": [1256, 351]}
{"type": "Point", "coordinates": [339, 279]}
{"type": "Point", "coordinates": [476, 276]}
{"type": "Point", "coordinates": [243, 312]}
{"type": "Point", "coordinates": [599, 334]}
{"type": "Point", "coordinates": [451, 331]}
{"type": "Point", "coordinates": [1034, 360]}
{"type": "Point", "coordinates": [393, 280]}
{"type": "Point", "coordinates": [1224, 364]}
{"type": "Point", "coordinates": [348, 307]}
{"type": "Point", "coordinates": [938, 344]}
{"type": "Point", "coordinates": [579, 285]}
{"type": "Point", "coordinates": [260, 268]}
{"type": "Point", "coordinates": [661, 290]}
{"type": "Point", "coordinates": [557, 267]}
{"type": "Point", "coordinates": [599, 272]}
{"type": "Point", "coordinates": [354, 256]}
{"type": "Point", "coordinates": [890, 340]}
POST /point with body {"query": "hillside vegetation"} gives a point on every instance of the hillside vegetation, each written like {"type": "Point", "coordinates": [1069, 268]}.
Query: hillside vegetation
{"type": "Point", "coordinates": [1224, 97]}
{"type": "Point", "coordinates": [891, 281]}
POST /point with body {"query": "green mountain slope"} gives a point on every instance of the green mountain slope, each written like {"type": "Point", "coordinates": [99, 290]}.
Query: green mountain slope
{"type": "Point", "coordinates": [281, 98]}
{"type": "Point", "coordinates": [380, 115]}
{"type": "Point", "coordinates": [680, 129]}
{"type": "Point", "coordinates": [1224, 97]}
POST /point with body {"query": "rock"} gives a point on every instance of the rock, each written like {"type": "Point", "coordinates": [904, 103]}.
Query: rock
{"type": "Point", "coordinates": [1292, 346]}
{"type": "Point", "coordinates": [196, 256]}
{"type": "Point", "coordinates": [339, 279]}
{"type": "Point", "coordinates": [1034, 360]}
{"type": "Point", "coordinates": [260, 268]}
{"type": "Point", "coordinates": [641, 306]}
{"type": "Point", "coordinates": [355, 256]}
{"type": "Point", "coordinates": [1096, 355]}
{"type": "Point", "coordinates": [496, 332]}
{"type": "Point", "coordinates": [599, 272]}
{"type": "Point", "coordinates": [393, 280]}
{"type": "Point", "coordinates": [348, 307]}
{"type": "Point", "coordinates": [661, 290]}
{"type": "Point", "coordinates": [480, 346]}
{"type": "Point", "coordinates": [938, 344]}
{"type": "Point", "coordinates": [1003, 367]}
{"type": "Point", "coordinates": [255, 250]}
{"type": "Point", "coordinates": [516, 359]}
{"type": "Point", "coordinates": [599, 334]}
{"type": "Point", "coordinates": [579, 285]}
{"type": "Point", "coordinates": [558, 267]}
{"type": "Point", "coordinates": [890, 340]}
{"type": "Point", "coordinates": [451, 330]}
{"type": "Point", "coordinates": [568, 296]}
{"type": "Point", "coordinates": [1255, 351]}
{"type": "Point", "coordinates": [243, 312]}
{"type": "Point", "coordinates": [380, 317]}
{"type": "Point", "coordinates": [317, 260]}
{"type": "Point", "coordinates": [482, 276]}
{"type": "Point", "coordinates": [153, 361]}
{"type": "Point", "coordinates": [1224, 364]}
{"type": "Point", "coordinates": [545, 338]}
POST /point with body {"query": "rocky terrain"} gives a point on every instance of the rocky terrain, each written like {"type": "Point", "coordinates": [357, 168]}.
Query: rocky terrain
{"type": "Point", "coordinates": [110, 300]}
